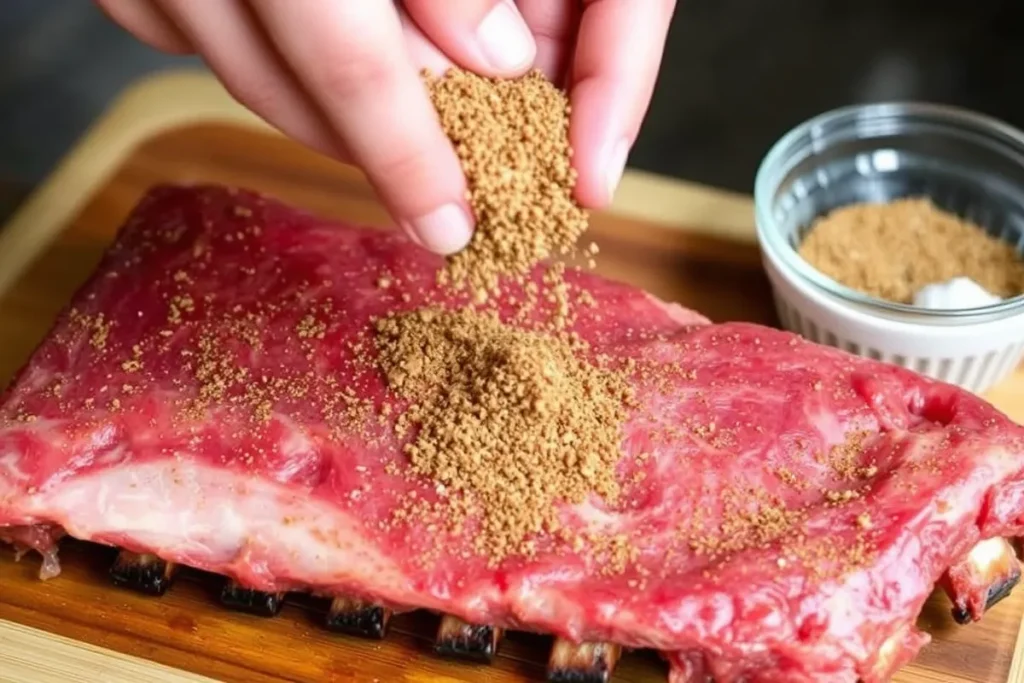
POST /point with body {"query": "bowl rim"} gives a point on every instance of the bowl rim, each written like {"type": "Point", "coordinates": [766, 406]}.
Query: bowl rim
{"type": "Point", "coordinates": [805, 138]}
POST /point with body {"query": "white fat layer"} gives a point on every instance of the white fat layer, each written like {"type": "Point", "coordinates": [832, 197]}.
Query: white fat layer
{"type": "Point", "coordinates": [677, 313]}
{"type": "Point", "coordinates": [9, 467]}
{"type": "Point", "coordinates": [989, 552]}
{"type": "Point", "coordinates": [828, 424]}
{"type": "Point", "coordinates": [207, 516]}
{"type": "Point", "coordinates": [36, 377]}
{"type": "Point", "coordinates": [296, 446]}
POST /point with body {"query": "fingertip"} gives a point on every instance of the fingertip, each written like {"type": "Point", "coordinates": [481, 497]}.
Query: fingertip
{"type": "Point", "coordinates": [596, 186]}
{"type": "Point", "coordinates": [445, 230]}
{"type": "Point", "coordinates": [490, 37]}
{"type": "Point", "coordinates": [589, 193]}
{"type": "Point", "coordinates": [600, 143]}
{"type": "Point", "coordinates": [505, 40]}
{"type": "Point", "coordinates": [612, 166]}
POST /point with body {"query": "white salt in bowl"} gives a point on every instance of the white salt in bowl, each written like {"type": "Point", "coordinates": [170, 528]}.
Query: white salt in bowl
{"type": "Point", "coordinates": [966, 163]}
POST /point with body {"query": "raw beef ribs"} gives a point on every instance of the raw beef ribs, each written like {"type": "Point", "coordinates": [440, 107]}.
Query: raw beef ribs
{"type": "Point", "coordinates": [789, 507]}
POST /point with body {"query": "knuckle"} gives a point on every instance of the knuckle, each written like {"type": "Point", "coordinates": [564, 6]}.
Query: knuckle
{"type": "Point", "coordinates": [356, 72]}
{"type": "Point", "coordinates": [407, 166]}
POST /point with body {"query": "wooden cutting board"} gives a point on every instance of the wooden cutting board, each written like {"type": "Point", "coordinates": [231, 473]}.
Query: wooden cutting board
{"type": "Point", "coordinates": [685, 243]}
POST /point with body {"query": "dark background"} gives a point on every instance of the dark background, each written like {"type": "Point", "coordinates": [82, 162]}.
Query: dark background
{"type": "Point", "coordinates": [737, 74]}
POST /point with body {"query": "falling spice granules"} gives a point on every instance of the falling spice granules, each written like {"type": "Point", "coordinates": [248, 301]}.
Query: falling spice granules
{"type": "Point", "coordinates": [892, 250]}
{"type": "Point", "coordinates": [512, 138]}
{"type": "Point", "coordinates": [510, 418]}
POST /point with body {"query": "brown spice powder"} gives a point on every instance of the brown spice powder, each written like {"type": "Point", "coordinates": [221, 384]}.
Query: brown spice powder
{"type": "Point", "coordinates": [892, 250]}
{"type": "Point", "coordinates": [510, 418]}
{"type": "Point", "coordinates": [750, 519]}
{"type": "Point", "coordinates": [844, 457]}
{"type": "Point", "coordinates": [512, 137]}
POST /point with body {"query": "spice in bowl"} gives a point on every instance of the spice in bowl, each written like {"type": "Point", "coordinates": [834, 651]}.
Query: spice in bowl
{"type": "Point", "coordinates": [909, 251]}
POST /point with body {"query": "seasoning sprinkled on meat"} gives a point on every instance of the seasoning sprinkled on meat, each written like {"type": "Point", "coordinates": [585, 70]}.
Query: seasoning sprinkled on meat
{"type": "Point", "coordinates": [512, 418]}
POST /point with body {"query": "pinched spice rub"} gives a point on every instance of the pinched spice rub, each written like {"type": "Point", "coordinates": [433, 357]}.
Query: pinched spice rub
{"type": "Point", "coordinates": [511, 418]}
{"type": "Point", "coordinates": [891, 251]}
{"type": "Point", "coordinates": [512, 137]}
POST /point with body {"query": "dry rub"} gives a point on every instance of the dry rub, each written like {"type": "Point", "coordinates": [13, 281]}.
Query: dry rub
{"type": "Point", "coordinates": [892, 250]}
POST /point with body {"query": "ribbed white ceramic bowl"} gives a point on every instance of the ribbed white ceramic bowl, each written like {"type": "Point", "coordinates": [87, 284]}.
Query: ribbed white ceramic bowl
{"type": "Point", "coordinates": [966, 163]}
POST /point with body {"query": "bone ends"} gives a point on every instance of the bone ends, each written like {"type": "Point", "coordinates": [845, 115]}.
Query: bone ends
{"type": "Point", "coordinates": [258, 603]}
{"type": "Point", "coordinates": [987, 575]}
{"type": "Point", "coordinates": [357, 618]}
{"type": "Point", "coordinates": [583, 662]}
{"type": "Point", "coordinates": [458, 639]}
{"type": "Point", "coordinates": [143, 573]}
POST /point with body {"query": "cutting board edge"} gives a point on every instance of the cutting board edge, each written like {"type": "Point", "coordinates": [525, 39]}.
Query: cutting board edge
{"type": "Point", "coordinates": [21, 647]}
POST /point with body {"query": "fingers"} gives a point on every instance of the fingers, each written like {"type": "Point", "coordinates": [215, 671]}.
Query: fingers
{"type": "Point", "coordinates": [147, 22]}
{"type": "Point", "coordinates": [233, 45]}
{"type": "Point", "coordinates": [553, 24]}
{"type": "Point", "coordinates": [486, 36]}
{"type": "Point", "coordinates": [614, 69]}
{"type": "Point", "coordinates": [350, 56]}
{"type": "Point", "coordinates": [423, 53]}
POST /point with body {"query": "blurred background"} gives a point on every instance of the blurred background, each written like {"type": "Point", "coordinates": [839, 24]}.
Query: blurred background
{"type": "Point", "coordinates": [737, 74]}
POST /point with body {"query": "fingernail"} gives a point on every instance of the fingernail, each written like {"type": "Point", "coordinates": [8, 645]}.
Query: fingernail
{"type": "Point", "coordinates": [505, 40]}
{"type": "Point", "coordinates": [444, 230]}
{"type": "Point", "coordinates": [615, 165]}
{"type": "Point", "coordinates": [413, 237]}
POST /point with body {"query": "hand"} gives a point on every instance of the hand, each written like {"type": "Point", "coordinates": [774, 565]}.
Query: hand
{"type": "Point", "coordinates": [342, 76]}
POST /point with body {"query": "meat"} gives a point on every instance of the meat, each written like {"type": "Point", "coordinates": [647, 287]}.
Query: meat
{"type": "Point", "coordinates": [786, 508]}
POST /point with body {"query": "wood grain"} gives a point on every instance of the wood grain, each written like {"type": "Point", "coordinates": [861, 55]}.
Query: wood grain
{"type": "Point", "coordinates": [28, 655]}
{"type": "Point", "coordinates": [186, 628]}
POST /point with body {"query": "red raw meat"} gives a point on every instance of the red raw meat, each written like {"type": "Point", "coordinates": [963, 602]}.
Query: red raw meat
{"type": "Point", "coordinates": [793, 506]}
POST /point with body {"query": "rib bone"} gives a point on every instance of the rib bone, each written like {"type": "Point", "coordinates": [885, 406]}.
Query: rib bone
{"type": "Point", "coordinates": [582, 663]}
{"type": "Point", "coordinates": [984, 577]}
{"type": "Point", "coordinates": [143, 573]}
{"type": "Point", "coordinates": [456, 638]}
{"type": "Point", "coordinates": [251, 601]}
{"type": "Point", "coordinates": [357, 618]}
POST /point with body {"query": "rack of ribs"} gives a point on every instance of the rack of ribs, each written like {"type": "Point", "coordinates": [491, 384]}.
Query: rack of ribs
{"type": "Point", "coordinates": [787, 508]}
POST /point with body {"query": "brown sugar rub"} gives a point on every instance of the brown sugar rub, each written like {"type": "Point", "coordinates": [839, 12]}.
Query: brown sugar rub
{"type": "Point", "coordinates": [891, 251]}
{"type": "Point", "coordinates": [512, 137]}
{"type": "Point", "coordinates": [510, 418]}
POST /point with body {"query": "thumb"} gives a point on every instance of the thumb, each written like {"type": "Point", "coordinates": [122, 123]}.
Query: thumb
{"type": "Point", "coordinates": [487, 36]}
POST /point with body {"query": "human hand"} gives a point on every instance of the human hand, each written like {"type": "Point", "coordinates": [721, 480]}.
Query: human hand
{"type": "Point", "coordinates": [342, 76]}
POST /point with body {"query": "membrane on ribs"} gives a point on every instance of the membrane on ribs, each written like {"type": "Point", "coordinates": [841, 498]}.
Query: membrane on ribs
{"type": "Point", "coordinates": [785, 508]}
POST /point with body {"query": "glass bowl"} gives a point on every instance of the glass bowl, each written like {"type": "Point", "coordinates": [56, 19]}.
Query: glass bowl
{"type": "Point", "coordinates": [966, 163]}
